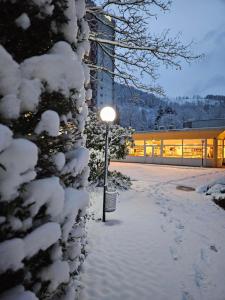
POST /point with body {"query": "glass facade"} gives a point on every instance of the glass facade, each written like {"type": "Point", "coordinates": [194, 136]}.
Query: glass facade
{"type": "Point", "coordinates": [178, 148]}
{"type": "Point", "coordinates": [172, 148]}
{"type": "Point", "coordinates": [193, 148]}
{"type": "Point", "coordinates": [137, 149]}
{"type": "Point", "coordinates": [220, 148]}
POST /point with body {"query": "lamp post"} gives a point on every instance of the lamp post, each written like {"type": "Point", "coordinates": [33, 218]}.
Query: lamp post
{"type": "Point", "coordinates": [107, 115]}
{"type": "Point", "coordinates": [203, 144]}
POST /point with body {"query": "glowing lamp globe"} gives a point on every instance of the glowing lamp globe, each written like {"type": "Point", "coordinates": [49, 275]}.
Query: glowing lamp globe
{"type": "Point", "coordinates": [107, 114]}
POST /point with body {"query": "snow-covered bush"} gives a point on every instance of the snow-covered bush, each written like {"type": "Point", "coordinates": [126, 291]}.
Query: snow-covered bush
{"type": "Point", "coordinates": [43, 159]}
{"type": "Point", "coordinates": [215, 190]}
{"type": "Point", "coordinates": [119, 138]}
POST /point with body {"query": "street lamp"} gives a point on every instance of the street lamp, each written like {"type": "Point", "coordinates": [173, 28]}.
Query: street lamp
{"type": "Point", "coordinates": [107, 114]}
{"type": "Point", "coordinates": [203, 143]}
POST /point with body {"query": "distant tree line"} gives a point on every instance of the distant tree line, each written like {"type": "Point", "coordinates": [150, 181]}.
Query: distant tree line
{"type": "Point", "coordinates": [216, 97]}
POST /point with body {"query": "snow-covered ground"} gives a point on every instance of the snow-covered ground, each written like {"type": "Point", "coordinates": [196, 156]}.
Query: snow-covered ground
{"type": "Point", "coordinates": [161, 244]}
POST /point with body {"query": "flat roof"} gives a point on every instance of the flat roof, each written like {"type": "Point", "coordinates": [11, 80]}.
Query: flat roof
{"type": "Point", "coordinates": [185, 133]}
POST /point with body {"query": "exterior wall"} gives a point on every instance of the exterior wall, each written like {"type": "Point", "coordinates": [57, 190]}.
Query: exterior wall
{"type": "Point", "coordinates": [102, 83]}
{"type": "Point", "coordinates": [105, 81]}
{"type": "Point", "coordinates": [193, 162]}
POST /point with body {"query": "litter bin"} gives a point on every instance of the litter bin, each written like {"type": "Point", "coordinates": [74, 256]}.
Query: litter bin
{"type": "Point", "coordinates": [110, 201]}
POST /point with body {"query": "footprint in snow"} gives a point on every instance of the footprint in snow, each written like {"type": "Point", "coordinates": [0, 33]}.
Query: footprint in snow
{"type": "Point", "coordinates": [198, 276]}
{"type": "Point", "coordinates": [178, 238]}
{"type": "Point", "coordinates": [186, 296]}
{"type": "Point", "coordinates": [163, 213]}
{"type": "Point", "coordinates": [213, 248]}
{"type": "Point", "coordinates": [179, 225]}
{"type": "Point", "coordinates": [163, 228]}
{"type": "Point", "coordinates": [174, 253]}
{"type": "Point", "coordinates": [204, 256]}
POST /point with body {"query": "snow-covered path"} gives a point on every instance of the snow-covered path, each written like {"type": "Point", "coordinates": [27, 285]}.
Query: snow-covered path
{"type": "Point", "coordinates": [161, 243]}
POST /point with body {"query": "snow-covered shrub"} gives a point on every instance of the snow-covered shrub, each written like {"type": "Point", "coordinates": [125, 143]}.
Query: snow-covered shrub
{"type": "Point", "coordinates": [215, 190]}
{"type": "Point", "coordinates": [119, 138]}
{"type": "Point", "coordinates": [43, 159]}
{"type": "Point", "coordinates": [117, 180]}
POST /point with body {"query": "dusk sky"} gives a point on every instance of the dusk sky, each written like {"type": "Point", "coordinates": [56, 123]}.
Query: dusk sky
{"type": "Point", "coordinates": [204, 22]}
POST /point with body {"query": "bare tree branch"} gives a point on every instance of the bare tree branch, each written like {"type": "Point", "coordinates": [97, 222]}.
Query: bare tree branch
{"type": "Point", "coordinates": [136, 51]}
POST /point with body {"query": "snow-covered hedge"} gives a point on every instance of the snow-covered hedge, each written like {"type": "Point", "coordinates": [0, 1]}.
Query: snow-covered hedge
{"type": "Point", "coordinates": [43, 159]}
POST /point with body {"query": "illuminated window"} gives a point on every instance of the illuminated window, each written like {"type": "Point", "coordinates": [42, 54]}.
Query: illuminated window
{"type": "Point", "coordinates": [193, 151]}
{"type": "Point", "coordinates": [148, 151]}
{"type": "Point", "coordinates": [210, 142]}
{"type": "Point", "coordinates": [172, 151]}
{"type": "Point", "coordinates": [193, 148]}
{"type": "Point", "coordinates": [209, 151]}
{"type": "Point", "coordinates": [220, 149]}
{"type": "Point", "coordinates": [137, 149]}
{"type": "Point", "coordinates": [157, 151]}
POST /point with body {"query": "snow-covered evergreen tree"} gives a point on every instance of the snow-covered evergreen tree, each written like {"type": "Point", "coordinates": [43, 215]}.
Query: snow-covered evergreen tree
{"type": "Point", "coordinates": [43, 159]}
{"type": "Point", "coordinates": [119, 137]}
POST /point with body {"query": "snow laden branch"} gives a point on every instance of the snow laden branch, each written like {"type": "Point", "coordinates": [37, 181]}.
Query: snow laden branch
{"type": "Point", "coordinates": [137, 52]}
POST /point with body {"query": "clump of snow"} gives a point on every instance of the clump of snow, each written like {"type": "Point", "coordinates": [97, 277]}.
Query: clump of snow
{"type": "Point", "coordinates": [56, 252]}
{"type": "Point", "coordinates": [46, 6]}
{"type": "Point", "coordinates": [77, 160]}
{"type": "Point", "coordinates": [49, 123]}
{"type": "Point", "coordinates": [75, 200]}
{"type": "Point", "coordinates": [11, 259]}
{"type": "Point", "coordinates": [2, 220]}
{"type": "Point", "coordinates": [216, 188]}
{"type": "Point", "coordinates": [83, 49]}
{"type": "Point", "coordinates": [82, 117]}
{"type": "Point", "coordinates": [46, 235]}
{"type": "Point", "coordinates": [19, 94]}
{"type": "Point", "coordinates": [10, 106]}
{"type": "Point", "coordinates": [56, 273]}
{"type": "Point", "coordinates": [70, 29]}
{"type": "Point", "coordinates": [29, 94]}
{"type": "Point", "coordinates": [60, 69]}
{"type": "Point", "coordinates": [88, 94]}
{"type": "Point", "coordinates": [19, 160]}
{"type": "Point", "coordinates": [204, 188]}
{"type": "Point", "coordinates": [48, 192]}
{"type": "Point", "coordinates": [59, 160]}
{"type": "Point", "coordinates": [5, 137]}
{"type": "Point", "coordinates": [80, 8]}
{"type": "Point", "coordinates": [80, 100]}
{"type": "Point", "coordinates": [86, 74]}
{"type": "Point", "coordinates": [9, 74]}
{"type": "Point", "coordinates": [85, 30]}
{"type": "Point", "coordinates": [70, 294]}
{"type": "Point", "coordinates": [18, 293]}
{"type": "Point", "coordinates": [23, 21]}
{"type": "Point", "coordinates": [74, 250]}
{"type": "Point", "coordinates": [15, 223]}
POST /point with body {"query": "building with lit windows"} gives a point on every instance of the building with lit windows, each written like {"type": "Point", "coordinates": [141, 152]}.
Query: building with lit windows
{"type": "Point", "coordinates": [190, 147]}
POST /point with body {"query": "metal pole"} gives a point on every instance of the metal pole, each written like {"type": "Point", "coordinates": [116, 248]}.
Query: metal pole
{"type": "Point", "coordinates": [202, 153]}
{"type": "Point", "coordinates": [105, 170]}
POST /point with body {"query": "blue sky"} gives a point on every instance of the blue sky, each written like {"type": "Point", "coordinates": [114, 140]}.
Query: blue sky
{"type": "Point", "coordinates": [204, 22]}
